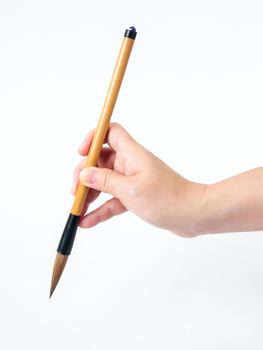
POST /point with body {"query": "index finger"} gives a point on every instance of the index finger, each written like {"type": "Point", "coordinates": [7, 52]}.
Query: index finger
{"type": "Point", "coordinates": [85, 146]}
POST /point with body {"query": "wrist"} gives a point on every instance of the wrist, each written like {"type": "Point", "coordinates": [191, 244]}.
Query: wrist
{"type": "Point", "coordinates": [194, 208]}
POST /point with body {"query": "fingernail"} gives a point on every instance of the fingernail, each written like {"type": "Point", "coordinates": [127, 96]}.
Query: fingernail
{"type": "Point", "coordinates": [88, 176]}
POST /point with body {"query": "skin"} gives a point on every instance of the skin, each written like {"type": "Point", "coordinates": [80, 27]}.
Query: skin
{"type": "Point", "coordinates": [143, 184]}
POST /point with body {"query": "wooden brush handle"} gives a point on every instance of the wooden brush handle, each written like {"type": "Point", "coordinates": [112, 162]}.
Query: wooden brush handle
{"type": "Point", "coordinates": [104, 121]}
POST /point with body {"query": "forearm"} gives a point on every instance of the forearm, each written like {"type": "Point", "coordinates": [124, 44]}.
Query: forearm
{"type": "Point", "coordinates": [233, 205]}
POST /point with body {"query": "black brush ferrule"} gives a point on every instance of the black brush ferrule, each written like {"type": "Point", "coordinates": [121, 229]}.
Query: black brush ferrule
{"type": "Point", "coordinates": [130, 33]}
{"type": "Point", "coordinates": [69, 234]}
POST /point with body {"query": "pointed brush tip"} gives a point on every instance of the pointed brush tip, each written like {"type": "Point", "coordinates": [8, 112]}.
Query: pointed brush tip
{"type": "Point", "coordinates": [58, 268]}
{"type": "Point", "coordinates": [52, 289]}
{"type": "Point", "coordinates": [50, 294]}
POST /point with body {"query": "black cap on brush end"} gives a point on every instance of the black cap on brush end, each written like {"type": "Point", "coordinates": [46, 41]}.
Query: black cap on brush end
{"type": "Point", "coordinates": [130, 33]}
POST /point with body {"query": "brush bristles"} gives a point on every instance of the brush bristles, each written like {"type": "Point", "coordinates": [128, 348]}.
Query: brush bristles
{"type": "Point", "coordinates": [58, 268]}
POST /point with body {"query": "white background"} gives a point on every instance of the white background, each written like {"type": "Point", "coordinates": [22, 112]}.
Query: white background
{"type": "Point", "coordinates": [192, 94]}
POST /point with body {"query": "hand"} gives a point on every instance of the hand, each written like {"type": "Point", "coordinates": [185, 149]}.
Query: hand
{"type": "Point", "coordinates": [141, 183]}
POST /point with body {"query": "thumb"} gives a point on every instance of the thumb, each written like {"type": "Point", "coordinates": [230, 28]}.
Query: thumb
{"type": "Point", "coordinates": [104, 180]}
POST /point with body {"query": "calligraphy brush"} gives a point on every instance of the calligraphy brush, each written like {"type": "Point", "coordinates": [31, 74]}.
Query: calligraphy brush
{"type": "Point", "coordinates": [69, 233]}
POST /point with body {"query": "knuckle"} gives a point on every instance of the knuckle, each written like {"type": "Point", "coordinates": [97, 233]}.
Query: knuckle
{"type": "Point", "coordinates": [115, 125]}
{"type": "Point", "coordinates": [108, 209]}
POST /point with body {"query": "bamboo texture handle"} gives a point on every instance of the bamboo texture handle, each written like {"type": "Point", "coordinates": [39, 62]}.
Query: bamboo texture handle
{"type": "Point", "coordinates": [104, 120]}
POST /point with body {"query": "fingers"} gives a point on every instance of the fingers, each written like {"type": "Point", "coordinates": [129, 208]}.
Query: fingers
{"type": "Point", "coordinates": [120, 140]}
{"type": "Point", "coordinates": [117, 138]}
{"type": "Point", "coordinates": [77, 170]}
{"type": "Point", "coordinates": [106, 180]}
{"type": "Point", "coordinates": [106, 211]}
{"type": "Point", "coordinates": [91, 197]}
{"type": "Point", "coordinates": [85, 146]}
{"type": "Point", "coordinates": [106, 160]}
